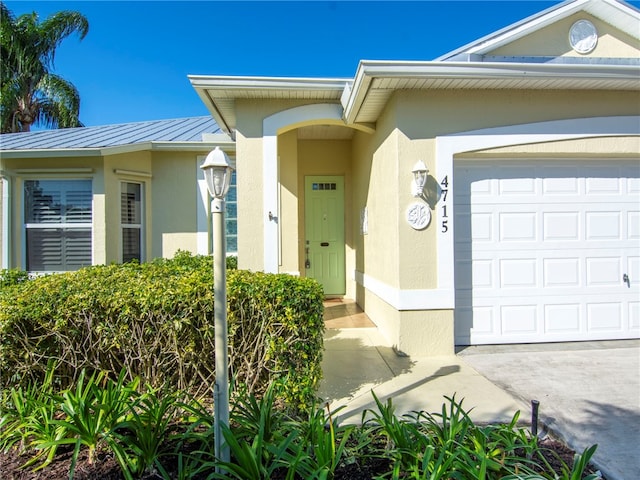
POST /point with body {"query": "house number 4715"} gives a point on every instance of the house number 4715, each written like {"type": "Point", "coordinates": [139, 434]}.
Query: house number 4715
{"type": "Point", "coordinates": [444, 190]}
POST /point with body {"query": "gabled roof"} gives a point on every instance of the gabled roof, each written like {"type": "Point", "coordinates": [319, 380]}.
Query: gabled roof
{"type": "Point", "coordinates": [617, 13]}
{"type": "Point", "coordinates": [365, 96]}
{"type": "Point", "coordinates": [219, 93]}
{"type": "Point", "coordinates": [193, 133]}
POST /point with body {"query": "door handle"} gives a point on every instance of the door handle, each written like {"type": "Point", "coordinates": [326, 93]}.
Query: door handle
{"type": "Point", "coordinates": [625, 279]}
{"type": "Point", "coordinates": [324, 244]}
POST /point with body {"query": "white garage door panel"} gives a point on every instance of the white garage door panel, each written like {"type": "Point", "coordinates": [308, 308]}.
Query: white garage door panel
{"type": "Point", "coordinates": [542, 250]}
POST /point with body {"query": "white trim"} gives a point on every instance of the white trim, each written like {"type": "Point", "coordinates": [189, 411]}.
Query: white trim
{"type": "Point", "coordinates": [222, 82]}
{"type": "Point", "coordinates": [81, 226]}
{"type": "Point", "coordinates": [132, 173]}
{"type": "Point", "coordinates": [33, 171]}
{"type": "Point", "coordinates": [449, 146]}
{"type": "Point", "coordinates": [279, 223]}
{"type": "Point", "coordinates": [227, 146]}
{"type": "Point", "coordinates": [203, 204]}
{"type": "Point", "coordinates": [271, 126]}
{"type": "Point", "coordinates": [6, 185]}
{"type": "Point", "coordinates": [141, 227]}
{"type": "Point", "coordinates": [621, 16]}
{"type": "Point", "coordinates": [422, 299]}
{"type": "Point", "coordinates": [443, 297]}
{"type": "Point", "coordinates": [270, 202]}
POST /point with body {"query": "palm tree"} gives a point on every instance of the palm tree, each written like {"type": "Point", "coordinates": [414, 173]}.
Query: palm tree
{"type": "Point", "coordinates": [30, 93]}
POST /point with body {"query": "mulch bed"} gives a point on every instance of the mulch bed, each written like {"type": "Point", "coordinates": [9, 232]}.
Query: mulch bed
{"type": "Point", "coordinates": [106, 468]}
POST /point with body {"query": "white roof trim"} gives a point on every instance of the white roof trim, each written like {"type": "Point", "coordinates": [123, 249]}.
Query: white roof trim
{"type": "Point", "coordinates": [609, 11]}
{"type": "Point", "coordinates": [227, 146]}
{"type": "Point", "coordinates": [219, 93]}
{"type": "Point", "coordinates": [476, 71]}
{"type": "Point", "coordinates": [265, 83]}
{"type": "Point", "coordinates": [231, 87]}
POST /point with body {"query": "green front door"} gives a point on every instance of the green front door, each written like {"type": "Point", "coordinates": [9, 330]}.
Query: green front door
{"type": "Point", "coordinates": [324, 230]}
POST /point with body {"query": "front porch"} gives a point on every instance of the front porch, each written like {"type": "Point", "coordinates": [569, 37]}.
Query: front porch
{"type": "Point", "coordinates": [345, 313]}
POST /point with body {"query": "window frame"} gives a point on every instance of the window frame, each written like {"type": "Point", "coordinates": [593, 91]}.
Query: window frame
{"type": "Point", "coordinates": [141, 227]}
{"type": "Point", "coordinates": [64, 226]}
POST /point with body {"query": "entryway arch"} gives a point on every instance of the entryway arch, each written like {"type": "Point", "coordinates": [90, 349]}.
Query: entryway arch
{"type": "Point", "coordinates": [278, 124]}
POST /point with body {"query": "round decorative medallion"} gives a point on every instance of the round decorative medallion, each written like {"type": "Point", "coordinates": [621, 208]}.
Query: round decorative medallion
{"type": "Point", "coordinates": [583, 36]}
{"type": "Point", "coordinates": [418, 215]}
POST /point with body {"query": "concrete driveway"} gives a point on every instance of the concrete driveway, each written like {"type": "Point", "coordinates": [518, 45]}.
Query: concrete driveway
{"type": "Point", "coordinates": [589, 393]}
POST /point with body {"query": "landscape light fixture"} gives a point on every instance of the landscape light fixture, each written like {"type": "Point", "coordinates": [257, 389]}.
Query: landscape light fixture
{"type": "Point", "coordinates": [217, 170]}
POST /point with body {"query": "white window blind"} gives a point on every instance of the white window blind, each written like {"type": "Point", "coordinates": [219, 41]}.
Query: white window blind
{"type": "Point", "coordinates": [58, 221]}
{"type": "Point", "coordinates": [131, 221]}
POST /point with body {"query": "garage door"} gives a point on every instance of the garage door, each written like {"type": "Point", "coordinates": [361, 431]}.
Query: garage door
{"type": "Point", "coordinates": [547, 251]}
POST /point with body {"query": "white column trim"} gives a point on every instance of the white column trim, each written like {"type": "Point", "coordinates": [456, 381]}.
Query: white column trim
{"type": "Point", "coordinates": [272, 125]}
{"type": "Point", "coordinates": [6, 211]}
{"type": "Point", "coordinates": [414, 299]}
{"type": "Point", "coordinates": [203, 220]}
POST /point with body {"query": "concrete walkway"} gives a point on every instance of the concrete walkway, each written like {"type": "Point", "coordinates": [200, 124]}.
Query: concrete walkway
{"type": "Point", "coordinates": [588, 392]}
{"type": "Point", "coordinates": [357, 362]}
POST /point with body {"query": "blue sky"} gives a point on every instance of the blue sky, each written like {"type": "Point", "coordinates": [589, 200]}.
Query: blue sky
{"type": "Point", "coordinates": [134, 62]}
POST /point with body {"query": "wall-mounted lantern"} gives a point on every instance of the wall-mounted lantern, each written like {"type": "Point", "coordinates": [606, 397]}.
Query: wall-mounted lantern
{"type": "Point", "coordinates": [420, 173]}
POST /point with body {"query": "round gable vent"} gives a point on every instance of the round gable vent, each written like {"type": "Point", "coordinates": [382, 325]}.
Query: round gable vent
{"type": "Point", "coordinates": [583, 36]}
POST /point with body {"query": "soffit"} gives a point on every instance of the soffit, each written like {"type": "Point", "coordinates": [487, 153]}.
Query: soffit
{"type": "Point", "coordinates": [377, 81]}
{"type": "Point", "coordinates": [220, 94]}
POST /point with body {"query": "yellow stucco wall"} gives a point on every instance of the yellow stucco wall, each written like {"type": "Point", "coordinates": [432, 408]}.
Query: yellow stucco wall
{"type": "Point", "coordinates": [598, 148]}
{"type": "Point", "coordinates": [554, 41]}
{"type": "Point", "coordinates": [376, 174]}
{"type": "Point", "coordinates": [174, 222]}
{"type": "Point", "coordinates": [468, 110]}
{"type": "Point", "coordinates": [250, 215]}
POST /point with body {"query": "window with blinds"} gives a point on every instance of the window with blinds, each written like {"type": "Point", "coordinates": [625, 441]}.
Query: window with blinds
{"type": "Point", "coordinates": [131, 221]}
{"type": "Point", "coordinates": [58, 222]}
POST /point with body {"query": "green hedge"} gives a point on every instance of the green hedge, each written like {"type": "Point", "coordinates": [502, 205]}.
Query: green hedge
{"type": "Point", "coordinates": [156, 321]}
{"type": "Point", "coordinates": [8, 278]}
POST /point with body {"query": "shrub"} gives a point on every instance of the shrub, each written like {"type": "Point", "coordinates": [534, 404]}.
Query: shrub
{"type": "Point", "coordinates": [155, 320]}
{"type": "Point", "coordinates": [12, 277]}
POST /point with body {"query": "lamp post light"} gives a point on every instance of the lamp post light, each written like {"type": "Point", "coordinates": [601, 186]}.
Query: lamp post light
{"type": "Point", "coordinates": [217, 172]}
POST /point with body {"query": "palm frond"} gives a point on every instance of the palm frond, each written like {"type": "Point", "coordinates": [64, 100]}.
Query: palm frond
{"type": "Point", "coordinates": [30, 91]}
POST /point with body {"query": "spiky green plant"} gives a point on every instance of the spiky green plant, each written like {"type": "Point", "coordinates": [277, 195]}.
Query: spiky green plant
{"type": "Point", "coordinates": [92, 411]}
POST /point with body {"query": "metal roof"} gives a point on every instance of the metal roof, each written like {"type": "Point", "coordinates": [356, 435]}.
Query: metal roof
{"type": "Point", "coordinates": [176, 130]}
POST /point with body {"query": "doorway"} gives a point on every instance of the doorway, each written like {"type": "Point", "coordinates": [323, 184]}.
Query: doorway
{"type": "Point", "coordinates": [324, 232]}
